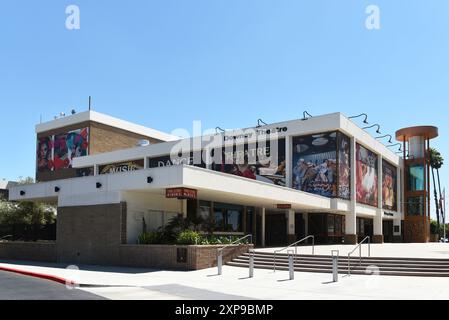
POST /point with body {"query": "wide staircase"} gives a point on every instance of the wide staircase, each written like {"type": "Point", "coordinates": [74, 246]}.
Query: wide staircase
{"type": "Point", "coordinates": [321, 263]}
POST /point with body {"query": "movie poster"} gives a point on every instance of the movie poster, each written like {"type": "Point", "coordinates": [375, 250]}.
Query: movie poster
{"type": "Point", "coordinates": [69, 146]}
{"type": "Point", "coordinates": [255, 162]}
{"type": "Point", "coordinates": [344, 166]}
{"type": "Point", "coordinates": [366, 176]}
{"type": "Point", "coordinates": [45, 154]}
{"type": "Point", "coordinates": [315, 164]}
{"type": "Point", "coordinates": [389, 185]}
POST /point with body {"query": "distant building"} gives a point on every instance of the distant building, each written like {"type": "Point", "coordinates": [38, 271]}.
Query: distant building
{"type": "Point", "coordinates": [4, 188]}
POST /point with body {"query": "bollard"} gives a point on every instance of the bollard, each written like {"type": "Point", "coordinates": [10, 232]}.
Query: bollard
{"type": "Point", "coordinates": [291, 265]}
{"type": "Point", "coordinates": [220, 263]}
{"type": "Point", "coordinates": [335, 254]}
{"type": "Point", "coordinates": [251, 264]}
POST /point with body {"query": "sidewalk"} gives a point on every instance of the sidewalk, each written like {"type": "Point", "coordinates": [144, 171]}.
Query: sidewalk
{"type": "Point", "coordinates": [234, 284]}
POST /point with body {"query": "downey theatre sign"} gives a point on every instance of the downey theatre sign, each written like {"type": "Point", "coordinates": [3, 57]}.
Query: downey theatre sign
{"type": "Point", "coordinates": [181, 193]}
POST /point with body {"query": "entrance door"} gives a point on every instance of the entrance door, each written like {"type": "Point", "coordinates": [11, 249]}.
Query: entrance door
{"type": "Point", "coordinates": [387, 227]}
{"type": "Point", "coordinates": [275, 229]}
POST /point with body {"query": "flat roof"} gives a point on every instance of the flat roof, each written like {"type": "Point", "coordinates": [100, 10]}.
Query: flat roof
{"type": "Point", "coordinates": [103, 119]}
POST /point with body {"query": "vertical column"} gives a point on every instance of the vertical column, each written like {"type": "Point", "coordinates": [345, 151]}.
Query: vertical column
{"type": "Point", "coordinates": [291, 236]}
{"type": "Point", "coordinates": [377, 223]}
{"type": "Point", "coordinates": [145, 163]}
{"type": "Point", "coordinates": [350, 219]}
{"type": "Point", "coordinates": [184, 208]}
{"type": "Point", "coordinates": [306, 223]}
{"type": "Point", "coordinates": [96, 170]}
{"type": "Point", "coordinates": [262, 211]}
{"type": "Point", "coordinates": [288, 161]}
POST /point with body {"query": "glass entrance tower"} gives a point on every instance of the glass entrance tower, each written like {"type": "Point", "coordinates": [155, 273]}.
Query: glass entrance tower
{"type": "Point", "coordinates": [416, 185]}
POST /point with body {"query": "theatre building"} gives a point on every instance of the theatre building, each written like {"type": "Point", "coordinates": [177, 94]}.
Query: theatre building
{"type": "Point", "coordinates": [323, 176]}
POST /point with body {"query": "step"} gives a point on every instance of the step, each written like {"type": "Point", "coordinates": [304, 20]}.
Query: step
{"type": "Point", "coordinates": [353, 261]}
{"type": "Point", "coordinates": [343, 266]}
{"type": "Point", "coordinates": [344, 271]}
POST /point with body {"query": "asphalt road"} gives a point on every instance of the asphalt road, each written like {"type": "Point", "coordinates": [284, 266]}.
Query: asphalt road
{"type": "Point", "coordinates": [19, 287]}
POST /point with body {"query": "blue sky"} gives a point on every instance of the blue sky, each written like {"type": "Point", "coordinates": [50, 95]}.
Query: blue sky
{"type": "Point", "coordinates": [227, 63]}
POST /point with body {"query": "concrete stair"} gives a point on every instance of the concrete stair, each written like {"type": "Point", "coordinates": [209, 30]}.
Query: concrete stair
{"type": "Point", "coordinates": [323, 264]}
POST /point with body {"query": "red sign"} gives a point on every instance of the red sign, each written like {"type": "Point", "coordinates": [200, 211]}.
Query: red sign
{"type": "Point", "coordinates": [181, 193]}
{"type": "Point", "coordinates": [284, 206]}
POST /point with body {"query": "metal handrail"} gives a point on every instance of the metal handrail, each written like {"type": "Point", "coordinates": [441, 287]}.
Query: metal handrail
{"type": "Point", "coordinates": [220, 251]}
{"type": "Point", "coordinates": [8, 236]}
{"type": "Point", "coordinates": [296, 245]}
{"type": "Point", "coordinates": [359, 246]}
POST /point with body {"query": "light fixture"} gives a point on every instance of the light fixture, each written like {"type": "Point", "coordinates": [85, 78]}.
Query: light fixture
{"type": "Point", "coordinates": [259, 121]}
{"type": "Point", "coordinates": [392, 145]}
{"type": "Point", "coordinates": [99, 185]}
{"type": "Point", "coordinates": [57, 189]}
{"type": "Point", "coordinates": [150, 179]}
{"type": "Point", "coordinates": [304, 115]}
{"type": "Point", "coordinates": [73, 111]}
{"type": "Point", "coordinates": [387, 135]}
{"type": "Point", "coordinates": [22, 193]}
{"type": "Point", "coordinates": [374, 125]}
{"type": "Point", "coordinates": [362, 114]}
{"type": "Point", "coordinates": [218, 128]}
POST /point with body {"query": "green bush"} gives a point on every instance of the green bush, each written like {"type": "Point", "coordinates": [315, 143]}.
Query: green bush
{"type": "Point", "coordinates": [151, 238]}
{"type": "Point", "coordinates": [188, 237]}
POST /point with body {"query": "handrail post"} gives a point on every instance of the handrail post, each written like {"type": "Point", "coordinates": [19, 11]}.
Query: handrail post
{"type": "Point", "coordinates": [313, 245]}
{"type": "Point", "coordinates": [251, 264]}
{"type": "Point", "coordinates": [220, 262]}
{"type": "Point", "coordinates": [349, 264]}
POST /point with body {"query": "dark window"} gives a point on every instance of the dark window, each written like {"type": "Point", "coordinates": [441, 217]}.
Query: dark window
{"type": "Point", "coordinates": [415, 206]}
{"type": "Point", "coordinates": [228, 217]}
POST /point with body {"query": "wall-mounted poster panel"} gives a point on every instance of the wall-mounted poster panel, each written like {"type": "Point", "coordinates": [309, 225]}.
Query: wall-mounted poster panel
{"type": "Point", "coordinates": [315, 164]}
{"type": "Point", "coordinates": [344, 166]}
{"type": "Point", "coordinates": [68, 146]}
{"type": "Point", "coordinates": [45, 154]}
{"type": "Point", "coordinates": [256, 162]}
{"type": "Point", "coordinates": [366, 176]}
{"type": "Point", "coordinates": [122, 167]}
{"type": "Point", "coordinates": [187, 159]}
{"type": "Point", "coordinates": [389, 186]}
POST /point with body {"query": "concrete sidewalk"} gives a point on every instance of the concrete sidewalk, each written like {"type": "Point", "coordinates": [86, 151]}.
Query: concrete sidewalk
{"type": "Point", "coordinates": [234, 284]}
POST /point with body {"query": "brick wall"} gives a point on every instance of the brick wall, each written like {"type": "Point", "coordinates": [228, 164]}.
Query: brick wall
{"type": "Point", "coordinates": [31, 251]}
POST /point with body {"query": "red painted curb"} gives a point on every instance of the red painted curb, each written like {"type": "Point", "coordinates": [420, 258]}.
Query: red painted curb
{"type": "Point", "coordinates": [39, 275]}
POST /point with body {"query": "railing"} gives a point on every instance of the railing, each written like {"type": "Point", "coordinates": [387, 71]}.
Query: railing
{"type": "Point", "coordinates": [220, 251]}
{"type": "Point", "coordinates": [359, 246]}
{"type": "Point", "coordinates": [5, 237]}
{"type": "Point", "coordinates": [296, 245]}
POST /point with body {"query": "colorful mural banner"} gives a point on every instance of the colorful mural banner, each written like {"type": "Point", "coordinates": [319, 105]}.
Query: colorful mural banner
{"type": "Point", "coordinates": [45, 154]}
{"type": "Point", "coordinates": [344, 167]}
{"type": "Point", "coordinates": [68, 146]}
{"type": "Point", "coordinates": [389, 186]}
{"type": "Point", "coordinates": [315, 164]}
{"type": "Point", "coordinates": [256, 162]}
{"type": "Point", "coordinates": [367, 189]}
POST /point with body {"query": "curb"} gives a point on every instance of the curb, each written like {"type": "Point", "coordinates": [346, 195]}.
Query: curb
{"type": "Point", "coordinates": [40, 276]}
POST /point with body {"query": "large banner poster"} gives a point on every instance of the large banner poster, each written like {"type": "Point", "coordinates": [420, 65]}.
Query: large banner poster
{"type": "Point", "coordinates": [45, 154]}
{"type": "Point", "coordinates": [389, 185]}
{"type": "Point", "coordinates": [315, 164]}
{"type": "Point", "coordinates": [344, 166]}
{"type": "Point", "coordinates": [366, 176]}
{"type": "Point", "coordinates": [68, 146]}
{"type": "Point", "coordinates": [256, 162]}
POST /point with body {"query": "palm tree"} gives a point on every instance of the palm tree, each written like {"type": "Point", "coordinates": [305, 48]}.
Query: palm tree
{"type": "Point", "coordinates": [436, 162]}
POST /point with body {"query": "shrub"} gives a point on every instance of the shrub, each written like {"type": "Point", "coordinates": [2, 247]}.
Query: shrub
{"type": "Point", "coordinates": [188, 237]}
{"type": "Point", "coordinates": [150, 238]}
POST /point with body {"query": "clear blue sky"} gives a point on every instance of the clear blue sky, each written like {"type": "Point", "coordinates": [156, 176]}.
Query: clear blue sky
{"type": "Point", "coordinates": [227, 63]}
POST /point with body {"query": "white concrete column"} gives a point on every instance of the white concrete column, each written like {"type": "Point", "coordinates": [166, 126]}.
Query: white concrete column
{"type": "Point", "coordinates": [291, 222]}
{"type": "Point", "coordinates": [350, 219]}
{"type": "Point", "coordinates": [145, 163]}
{"type": "Point", "coordinates": [262, 211]}
{"type": "Point", "coordinates": [288, 161]}
{"type": "Point", "coordinates": [377, 223]}
{"type": "Point", "coordinates": [96, 170]}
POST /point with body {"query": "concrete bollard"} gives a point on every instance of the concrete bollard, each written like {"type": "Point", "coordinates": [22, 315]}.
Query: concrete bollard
{"type": "Point", "coordinates": [220, 263]}
{"type": "Point", "coordinates": [291, 265]}
{"type": "Point", "coordinates": [251, 264]}
{"type": "Point", "coordinates": [335, 254]}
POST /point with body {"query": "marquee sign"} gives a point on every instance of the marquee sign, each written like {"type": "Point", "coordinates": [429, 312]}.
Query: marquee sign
{"type": "Point", "coordinates": [284, 206]}
{"type": "Point", "coordinates": [122, 167]}
{"type": "Point", "coordinates": [181, 193]}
